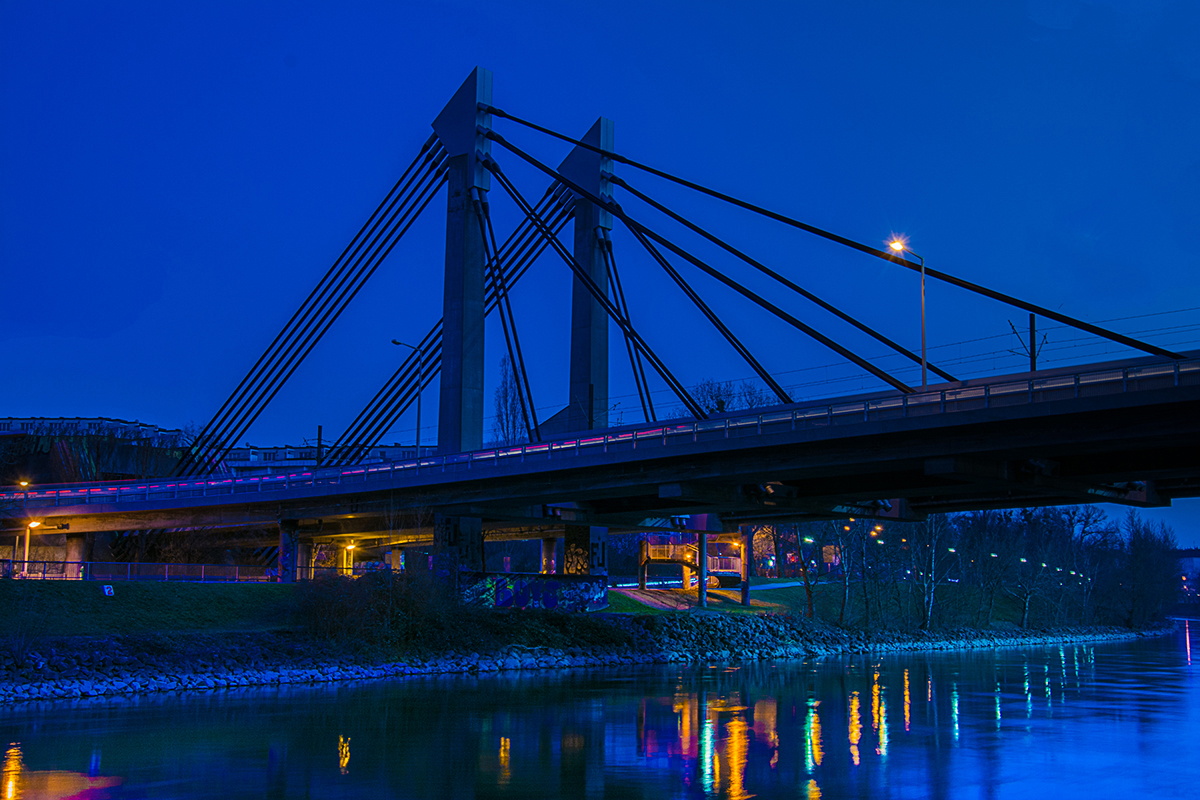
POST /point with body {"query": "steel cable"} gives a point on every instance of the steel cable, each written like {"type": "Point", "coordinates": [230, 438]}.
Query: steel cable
{"type": "Point", "coordinates": [635, 358]}
{"type": "Point", "coordinates": [712, 316]}
{"type": "Point", "coordinates": [842, 240]}
{"type": "Point", "coordinates": [199, 444]}
{"type": "Point", "coordinates": [783, 280]}
{"type": "Point", "coordinates": [521, 248]}
{"type": "Point", "coordinates": [586, 279]}
{"type": "Point", "coordinates": [330, 308]}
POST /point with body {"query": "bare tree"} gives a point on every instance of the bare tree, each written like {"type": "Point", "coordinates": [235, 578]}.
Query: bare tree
{"type": "Point", "coordinates": [811, 538]}
{"type": "Point", "coordinates": [717, 397]}
{"type": "Point", "coordinates": [508, 422]}
{"type": "Point", "coordinates": [929, 548]}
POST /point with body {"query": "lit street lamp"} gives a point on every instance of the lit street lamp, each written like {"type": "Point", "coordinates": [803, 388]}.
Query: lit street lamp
{"type": "Point", "coordinates": [25, 563]}
{"type": "Point", "coordinates": [420, 385]}
{"type": "Point", "coordinates": [901, 246]}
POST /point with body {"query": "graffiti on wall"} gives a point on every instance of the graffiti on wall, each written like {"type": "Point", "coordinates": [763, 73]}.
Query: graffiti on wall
{"type": "Point", "coordinates": [572, 593]}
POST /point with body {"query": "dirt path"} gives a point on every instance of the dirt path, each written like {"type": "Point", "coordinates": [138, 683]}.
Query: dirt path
{"type": "Point", "coordinates": [685, 599]}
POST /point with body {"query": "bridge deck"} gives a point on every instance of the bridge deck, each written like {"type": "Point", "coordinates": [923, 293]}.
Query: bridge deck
{"type": "Point", "coordinates": [1063, 436]}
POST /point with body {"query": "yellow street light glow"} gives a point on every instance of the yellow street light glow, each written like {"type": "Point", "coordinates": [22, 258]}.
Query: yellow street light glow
{"type": "Point", "coordinates": [24, 483]}
{"type": "Point", "coordinates": [897, 245]}
{"type": "Point", "coordinates": [34, 524]}
{"type": "Point", "coordinates": [349, 547]}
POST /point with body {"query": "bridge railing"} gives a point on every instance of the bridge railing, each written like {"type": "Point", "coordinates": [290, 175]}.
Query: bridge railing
{"type": "Point", "coordinates": [690, 554]}
{"type": "Point", "coordinates": [149, 571]}
{"type": "Point", "coordinates": [1000, 393]}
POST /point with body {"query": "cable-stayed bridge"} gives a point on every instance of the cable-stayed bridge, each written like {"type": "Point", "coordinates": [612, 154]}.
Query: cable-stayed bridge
{"type": "Point", "coordinates": [1122, 431]}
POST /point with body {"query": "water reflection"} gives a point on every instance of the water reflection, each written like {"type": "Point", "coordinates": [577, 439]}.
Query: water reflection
{"type": "Point", "coordinates": [20, 783]}
{"type": "Point", "coordinates": [1113, 720]}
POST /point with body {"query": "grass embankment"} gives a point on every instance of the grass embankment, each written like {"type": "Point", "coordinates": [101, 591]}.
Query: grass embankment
{"type": "Point", "coordinates": [80, 608]}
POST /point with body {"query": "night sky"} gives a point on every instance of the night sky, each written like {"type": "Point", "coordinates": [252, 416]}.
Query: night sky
{"type": "Point", "coordinates": [175, 178]}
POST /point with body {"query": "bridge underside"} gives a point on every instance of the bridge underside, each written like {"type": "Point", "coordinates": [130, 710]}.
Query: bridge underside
{"type": "Point", "coordinates": [1137, 450]}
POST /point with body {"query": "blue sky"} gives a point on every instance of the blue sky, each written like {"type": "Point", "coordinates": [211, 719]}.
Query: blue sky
{"type": "Point", "coordinates": [174, 179]}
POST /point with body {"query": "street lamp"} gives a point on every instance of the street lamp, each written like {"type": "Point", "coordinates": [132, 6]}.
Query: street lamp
{"type": "Point", "coordinates": [420, 385]}
{"type": "Point", "coordinates": [901, 246]}
{"type": "Point", "coordinates": [28, 530]}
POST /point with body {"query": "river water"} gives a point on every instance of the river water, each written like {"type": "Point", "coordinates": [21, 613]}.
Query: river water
{"type": "Point", "coordinates": [1088, 721]}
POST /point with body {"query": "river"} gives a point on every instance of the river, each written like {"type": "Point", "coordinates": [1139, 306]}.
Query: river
{"type": "Point", "coordinates": [1077, 721]}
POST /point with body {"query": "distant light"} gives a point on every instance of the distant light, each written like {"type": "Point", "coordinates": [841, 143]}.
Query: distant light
{"type": "Point", "coordinates": [810, 541]}
{"type": "Point", "coordinates": [952, 550]}
{"type": "Point", "coordinates": [994, 555]}
{"type": "Point", "coordinates": [349, 547]}
{"type": "Point", "coordinates": [1023, 561]}
{"type": "Point", "coordinates": [846, 527]}
{"type": "Point", "coordinates": [24, 483]}
{"type": "Point", "coordinates": [34, 524]}
{"type": "Point", "coordinates": [879, 540]}
{"type": "Point", "coordinates": [897, 245]}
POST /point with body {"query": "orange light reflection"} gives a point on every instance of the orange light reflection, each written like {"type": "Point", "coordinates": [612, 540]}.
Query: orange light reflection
{"type": "Point", "coordinates": [855, 730]}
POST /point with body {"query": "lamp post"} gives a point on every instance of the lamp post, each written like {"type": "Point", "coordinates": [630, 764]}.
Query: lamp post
{"type": "Point", "coordinates": [901, 246]}
{"type": "Point", "coordinates": [420, 379]}
{"type": "Point", "coordinates": [25, 563]}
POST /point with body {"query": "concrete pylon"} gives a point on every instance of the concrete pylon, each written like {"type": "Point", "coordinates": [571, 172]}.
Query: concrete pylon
{"type": "Point", "coordinates": [585, 548]}
{"type": "Point", "coordinates": [460, 417]}
{"type": "Point", "coordinates": [588, 398]}
{"type": "Point", "coordinates": [461, 404]}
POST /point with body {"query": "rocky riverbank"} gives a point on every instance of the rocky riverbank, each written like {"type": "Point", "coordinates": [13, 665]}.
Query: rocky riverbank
{"type": "Point", "coordinates": [89, 667]}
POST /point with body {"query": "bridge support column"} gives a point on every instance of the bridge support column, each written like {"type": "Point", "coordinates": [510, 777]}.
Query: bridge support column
{"type": "Point", "coordinates": [458, 547]}
{"type": "Point", "coordinates": [643, 562]}
{"type": "Point", "coordinates": [288, 550]}
{"type": "Point", "coordinates": [587, 401]}
{"type": "Point", "coordinates": [76, 545]}
{"type": "Point", "coordinates": [585, 550]}
{"type": "Point", "coordinates": [703, 523]}
{"type": "Point", "coordinates": [548, 546]}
